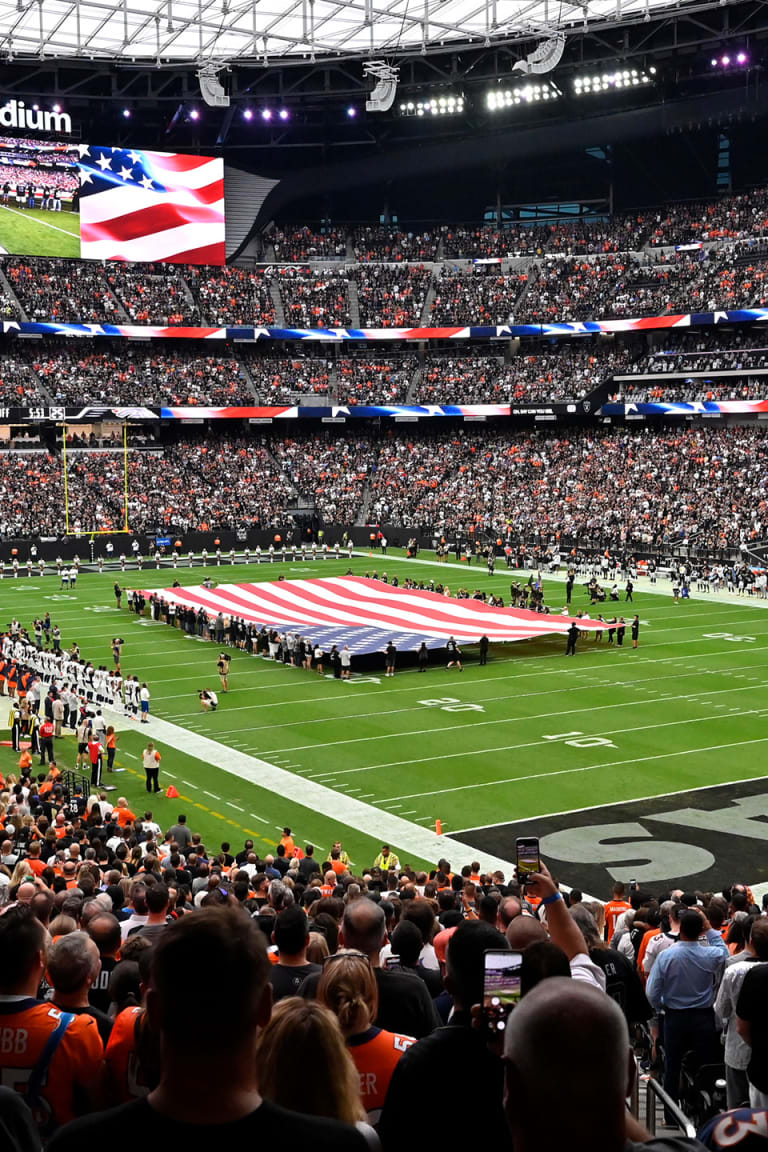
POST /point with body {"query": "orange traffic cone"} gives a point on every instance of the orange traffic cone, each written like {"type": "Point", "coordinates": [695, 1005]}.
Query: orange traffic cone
{"type": "Point", "coordinates": [172, 792]}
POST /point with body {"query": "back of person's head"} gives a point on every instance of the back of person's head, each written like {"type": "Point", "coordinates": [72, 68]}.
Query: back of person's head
{"type": "Point", "coordinates": [524, 931]}
{"type": "Point", "coordinates": [465, 960]}
{"type": "Point", "coordinates": [421, 913]}
{"type": "Point", "coordinates": [759, 937]}
{"type": "Point", "coordinates": [209, 981]}
{"type": "Point", "coordinates": [717, 912]}
{"type": "Point", "coordinates": [569, 1034]}
{"type": "Point", "coordinates": [125, 985]}
{"type": "Point", "coordinates": [22, 947]}
{"type": "Point", "coordinates": [42, 905]}
{"type": "Point", "coordinates": [157, 899]}
{"type": "Point", "coordinates": [333, 1088]}
{"type": "Point", "coordinates": [73, 961]}
{"type": "Point", "coordinates": [348, 987]}
{"type": "Point", "coordinates": [104, 930]}
{"type": "Point", "coordinates": [325, 923]}
{"type": "Point", "coordinates": [363, 926]}
{"type": "Point", "coordinates": [691, 925]}
{"type": "Point", "coordinates": [291, 931]}
{"type": "Point", "coordinates": [541, 961]}
{"type": "Point", "coordinates": [407, 943]}
{"type": "Point", "coordinates": [586, 924]}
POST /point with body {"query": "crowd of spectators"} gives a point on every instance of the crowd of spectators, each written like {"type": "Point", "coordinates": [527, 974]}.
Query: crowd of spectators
{"type": "Point", "coordinates": [573, 288]}
{"type": "Point", "coordinates": [67, 181]}
{"type": "Point", "coordinates": [480, 295]}
{"type": "Point", "coordinates": [705, 351]}
{"type": "Point", "coordinates": [742, 389]}
{"type": "Point", "coordinates": [375, 380]}
{"type": "Point", "coordinates": [486, 241]}
{"type": "Point", "coordinates": [152, 294]}
{"type": "Point", "coordinates": [614, 487]}
{"type": "Point", "coordinates": [332, 470]}
{"type": "Point", "coordinates": [298, 245]}
{"type": "Point", "coordinates": [608, 487]}
{"type": "Point", "coordinates": [314, 299]}
{"type": "Point", "coordinates": [706, 281]}
{"type": "Point", "coordinates": [390, 296]}
{"type": "Point", "coordinates": [229, 296]}
{"type": "Point", "coordinates": [279, 379]}
{"type": "Point", "coordinates": [19, 387]}
{"type": "Point", "coordinates": [115, 373]}
{"type": "Point", "coordinates": [730, 218]}
{"type": "Point", "coordinates": [371, 973]}
{"type": "Point", "coordinates": [51, 290]}
{"type": "Point", "coordinates": [566, 372]}
{"type": "Point", "coordinates": [388, 245]}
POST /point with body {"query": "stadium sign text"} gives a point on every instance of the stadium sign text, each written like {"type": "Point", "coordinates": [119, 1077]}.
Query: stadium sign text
{"type": "Point", "coordinates": [15, 114]}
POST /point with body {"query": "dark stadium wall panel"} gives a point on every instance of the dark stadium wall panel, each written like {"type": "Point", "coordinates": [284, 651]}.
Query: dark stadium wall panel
{"type": "Point", "coordinates": [244, 194]}
{"type": "Point", "coordinates": [519, 146]}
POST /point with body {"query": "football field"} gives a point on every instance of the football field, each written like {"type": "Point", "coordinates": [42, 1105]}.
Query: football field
{"type": "Point", "coordinates": [38, 232]}
{"type": "Point", "coordinates": [639, 764]}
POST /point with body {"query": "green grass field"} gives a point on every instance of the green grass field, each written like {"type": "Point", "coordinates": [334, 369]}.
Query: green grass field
{"type": "Point", "coordinates": [34, 232]}
{"type": "Point", "coordinates": [530, 734]}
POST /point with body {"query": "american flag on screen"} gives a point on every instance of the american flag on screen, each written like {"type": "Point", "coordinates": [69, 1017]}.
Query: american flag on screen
{"type": "Point", "coordinates": [151, 206]}
{"type": "Point", "coordinates": [367, 614]}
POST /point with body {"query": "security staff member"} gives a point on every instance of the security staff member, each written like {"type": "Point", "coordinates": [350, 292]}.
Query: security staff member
{"type": "Point", "coordinates": [45, 737]}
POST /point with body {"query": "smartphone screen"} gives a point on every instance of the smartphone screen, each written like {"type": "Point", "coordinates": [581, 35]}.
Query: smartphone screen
{"type": "Point", "coordinates": [501, 987]}
{"type": "Point", "coordinates": [528, 862]}
{"type": "Point", "coordinates": [392, 962]}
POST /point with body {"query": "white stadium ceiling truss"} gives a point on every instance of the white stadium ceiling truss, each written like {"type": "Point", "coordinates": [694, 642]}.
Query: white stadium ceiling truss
{"type": "Point", "coordinates": [228, 31]}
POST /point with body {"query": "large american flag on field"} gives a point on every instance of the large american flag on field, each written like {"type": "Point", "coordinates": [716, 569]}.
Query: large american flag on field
{"type": "Point", "coordinates": [151, 206]}
{"type": "Point", "coordinates": [367, 614]}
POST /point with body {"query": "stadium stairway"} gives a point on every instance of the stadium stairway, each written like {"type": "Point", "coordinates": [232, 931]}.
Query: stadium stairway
{"type": "Point", "coordinates": [277, 299]}
{"type": "Point", "coordinates": [414, 384]}
{"type": "Point", "coordinates": [354, 301]}
{"type": "Point", "coordinates": [246, 375]}
{"type": "Point", "coordinates": [429, 299]}
{"type": "Point", "coordinates": [365, 504]}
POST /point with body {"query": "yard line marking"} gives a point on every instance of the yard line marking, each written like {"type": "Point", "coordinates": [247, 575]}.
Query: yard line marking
{"type": "Point", "coordinates": [587, 768]}
{"type": "Point", "coordinates": [534, 744]}
{"type": "Point", "coordinates": [489, 723]}
{"type": "Point", "coordinates": [235, 806]}
{"type": "Point", "coordinates": [212, 796]}
{"type": "Point", "coordinates": [187, 784]}
{"type": "Point", "coordinates": [255, 817]}
{"type": "Point", "coordinates": [44, 223]}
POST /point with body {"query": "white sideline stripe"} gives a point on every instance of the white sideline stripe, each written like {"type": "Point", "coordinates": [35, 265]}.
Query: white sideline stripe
{"type": "Point", "coordinates": [693, 696]}
{"type": "Point", "coordinates": [540, 743]}
{"type": "Point", "coordinates": [211, 794]}
{"type": "Point", "coordinates": [365, 818]}
{"type": "Point", "coordinates": [585, 768]}
{"type": "Point", "coordinates": [44, 223]}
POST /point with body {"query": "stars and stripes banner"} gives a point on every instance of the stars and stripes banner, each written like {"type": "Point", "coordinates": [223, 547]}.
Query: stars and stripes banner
{"type": "Point", "coordinates": [151, 206]}
{"type": "Point", "coordinates": [253, 333]}
{"type": "Point", "coordinates": [366, 614]}
{"type": "Point", "coordinates": [689, 408]}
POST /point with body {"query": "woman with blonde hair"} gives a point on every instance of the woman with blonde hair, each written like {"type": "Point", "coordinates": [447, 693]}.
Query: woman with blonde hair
{"type": "Point", "coordinates": [21, 872]}
{"type": "Point", "coordinates": [333, 1089]}
{"type": "Point", "coordinates": [348, 987]}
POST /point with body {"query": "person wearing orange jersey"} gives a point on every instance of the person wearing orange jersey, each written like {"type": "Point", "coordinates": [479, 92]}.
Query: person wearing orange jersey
{"type": "Point", "coordinates": [122, 813]}
{"type": "Point", "coordinates": [348, 987]}
{"type": "Point", "coordinates": [52, 1058]}
{"type": "Point", "coordinates": [288, 843]}
{"type": "Point", "coordinates": [614, 908]}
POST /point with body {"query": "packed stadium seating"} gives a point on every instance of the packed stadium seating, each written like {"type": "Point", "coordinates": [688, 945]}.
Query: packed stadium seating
{"type": "Point", "coordinates": [391, 297]}
{"type": "Point", "coordinates": [387, 245]}
{"type": "Point", "coordinates": [299, 244]}
{"type": "Point", "coordinates": [480, 295]}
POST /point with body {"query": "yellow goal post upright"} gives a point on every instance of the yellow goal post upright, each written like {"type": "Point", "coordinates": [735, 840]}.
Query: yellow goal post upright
{"type": "Point", "coordinates": [92, 532]}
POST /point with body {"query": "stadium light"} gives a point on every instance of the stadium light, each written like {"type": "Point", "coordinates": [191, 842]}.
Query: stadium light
{"type": "Point", "coordinates": [266, 113]}
{"type": "Point", "coordinates": [725, 61]}
{"type": "Point", "coordinates": [247, 114]}
{"type": "Point", "coordinates": [499, 98]}
{"type": "Point", "coordinates": [284, 114]}
{"type": "Point", "coordinates": [447, 104]}
{"type": "Point", "coordinates": [351, 112]}
{"type": "Point", "coordinates": [127, 113]}
{"type": "Point", "coordinates": [194, 114]}
{"type": "Point", "coordinates": [612, 81]}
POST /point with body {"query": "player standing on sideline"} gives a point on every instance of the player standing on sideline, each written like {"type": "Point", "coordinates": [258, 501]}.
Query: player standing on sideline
{"type": "Point", "coordinates": [390, 654]}
{"type": "Point", "coordinates": [222, 667]}
{"type": "Point", "coordinates": [454, 654]}
{"type": "Point", "coordinates": [635, 630]}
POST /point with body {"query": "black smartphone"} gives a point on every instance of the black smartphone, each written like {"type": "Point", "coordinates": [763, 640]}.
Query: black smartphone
{"type": "Point", "coordinates": [501, 987]}
{"type": "Point", "coordinates": [528, 859]}
{"type": "Point", "coordinates": [392, 962]}
{"type": "Point", "coordinates": [633, 885]}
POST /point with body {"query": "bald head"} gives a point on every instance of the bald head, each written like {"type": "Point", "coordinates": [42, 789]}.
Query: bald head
{"type": "Point", "coordinates": [73, 962]}
{"type": "Point", "coordinates": [364, 926]}
{"type": "Point", "coordinates": [525, 930]}
{"type": "Point", "coordinates": [565, 1037]}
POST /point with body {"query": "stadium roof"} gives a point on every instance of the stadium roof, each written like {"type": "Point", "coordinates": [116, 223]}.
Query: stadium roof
{"type": "Point", "coordinates": [240, 30]}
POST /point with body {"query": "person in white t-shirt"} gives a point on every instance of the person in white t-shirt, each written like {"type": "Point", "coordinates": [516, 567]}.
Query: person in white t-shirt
{"type": "Point", "coordinates": [209, 701]}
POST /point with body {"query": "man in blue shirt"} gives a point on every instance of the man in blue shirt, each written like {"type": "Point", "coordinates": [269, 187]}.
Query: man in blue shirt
{"type": "Point", "coordinates": [683, 982]}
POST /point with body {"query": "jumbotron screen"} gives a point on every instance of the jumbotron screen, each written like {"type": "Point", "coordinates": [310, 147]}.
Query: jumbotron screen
{"type": "Point", "coordinates": [102, 203]}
